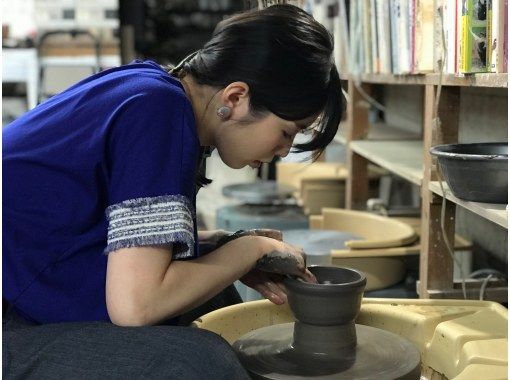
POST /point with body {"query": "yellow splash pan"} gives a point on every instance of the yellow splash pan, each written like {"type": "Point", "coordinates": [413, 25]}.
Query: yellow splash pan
{"type": "Point", "coordinates": [457, 339]}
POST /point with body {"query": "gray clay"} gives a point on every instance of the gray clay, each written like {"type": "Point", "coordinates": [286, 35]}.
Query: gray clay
{"type": "Point", "coordinates": [280, 262]}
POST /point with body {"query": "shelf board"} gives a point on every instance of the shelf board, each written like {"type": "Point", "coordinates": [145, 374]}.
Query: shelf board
{"type": "Point", "coordinates": [496, 213]}
{"type": "Point", "coordinates": [496, 290]}
{"type": "Point", "coordinates": [499, 294]}
{"type": "Point", "coordinates": [498, 80]}
{"type": "Point", "coordinates": [379, 131]}
{"type": "Point", "coordinates": [403, 158]}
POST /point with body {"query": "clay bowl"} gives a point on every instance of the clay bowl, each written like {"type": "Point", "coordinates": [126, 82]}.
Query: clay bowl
{"type": "Point", "coordinates": [335, 300]}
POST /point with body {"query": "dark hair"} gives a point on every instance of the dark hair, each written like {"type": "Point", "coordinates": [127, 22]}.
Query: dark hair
{"type": "Point", "coordinates": [285, 57]}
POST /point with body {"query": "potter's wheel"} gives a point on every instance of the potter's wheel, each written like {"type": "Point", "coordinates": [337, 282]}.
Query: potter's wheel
{"type": "Point", "coordinates": [260, 192]}
{"type": "Point", "coordinates": [268, 354]}
{"type": "Point", "coordinates": [325, 342]}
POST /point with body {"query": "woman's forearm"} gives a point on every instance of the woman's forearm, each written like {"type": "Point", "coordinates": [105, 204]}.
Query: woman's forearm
{"type": "Point", "coordinates": [145, 286]}
{"type": "Point", "coordinates": [188, 284]}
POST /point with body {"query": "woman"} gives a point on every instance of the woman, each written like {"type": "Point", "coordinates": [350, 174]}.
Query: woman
{"type": "Point", "coordinates": [99, 198]}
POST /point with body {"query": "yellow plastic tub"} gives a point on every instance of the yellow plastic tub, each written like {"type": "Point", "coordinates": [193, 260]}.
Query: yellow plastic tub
{"type": "Point", "coordinates": [457, 339]}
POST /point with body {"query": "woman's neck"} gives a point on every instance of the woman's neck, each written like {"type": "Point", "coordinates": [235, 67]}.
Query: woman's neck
{"type": "Point", "coordinates": [201, 98]}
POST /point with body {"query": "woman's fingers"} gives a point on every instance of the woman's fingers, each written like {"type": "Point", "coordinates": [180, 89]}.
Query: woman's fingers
{"type": "Point", "coordinates": [279, 282]}
{"type": "Point", "coordinates": [272, 292]}
{"type": "Point", "coordinates": [277, 290]}
{"type": "Point", "coordinates": [308, 277]}
{"type": "Point", "coordinates": [270, 286]}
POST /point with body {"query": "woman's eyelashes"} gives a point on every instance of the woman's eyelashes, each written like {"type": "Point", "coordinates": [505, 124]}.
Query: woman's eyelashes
{"type": "Point", "coordinates": [286, 135]}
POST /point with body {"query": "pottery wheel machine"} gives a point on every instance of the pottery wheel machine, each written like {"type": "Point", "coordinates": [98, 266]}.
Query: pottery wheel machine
{"type": "Point", "coordinates": [266, 204]}
{"type": "Point", "coordinates": [325, 342]}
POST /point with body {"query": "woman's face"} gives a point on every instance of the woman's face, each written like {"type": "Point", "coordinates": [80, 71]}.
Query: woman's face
{"type": "Point", "coordinates": [258, 140]}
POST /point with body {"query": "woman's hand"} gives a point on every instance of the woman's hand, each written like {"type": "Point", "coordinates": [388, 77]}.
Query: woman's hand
{"type": "Point", "coordinates": [229, 236]}
{"type": "Point", "coordinates": [269, 285]}
{"type": "Point", "coordinates": [278, 259]}
{"type": "Point", "coordinates": [285, 259]}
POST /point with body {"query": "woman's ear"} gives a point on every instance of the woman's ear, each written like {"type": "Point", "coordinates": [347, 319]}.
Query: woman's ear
{"type": "Point", "coordinates": [236, 96]}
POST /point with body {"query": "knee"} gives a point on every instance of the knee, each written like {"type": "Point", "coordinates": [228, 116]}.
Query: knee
{"type": "Point", "coordinates": [216, 354]}
{"type": "Point", "coordinates": [201, 354]}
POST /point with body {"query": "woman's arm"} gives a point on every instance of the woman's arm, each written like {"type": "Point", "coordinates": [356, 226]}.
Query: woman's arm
{"type": "Point", "coordinates": [144, 286]}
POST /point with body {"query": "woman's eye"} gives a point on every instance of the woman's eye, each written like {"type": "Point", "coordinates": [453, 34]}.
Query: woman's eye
{"type": "Point", "coordinates": [286, 135]}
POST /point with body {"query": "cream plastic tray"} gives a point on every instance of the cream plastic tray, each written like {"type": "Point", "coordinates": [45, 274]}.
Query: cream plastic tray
{"type": "Point", "coordinates": [381, 256]}
{"type": "Point", "coordinates": [460, 340]}
{"type": "Point", "coordinates": [378, 255]}
{"type": "Point", "coordinates": [377, 231]}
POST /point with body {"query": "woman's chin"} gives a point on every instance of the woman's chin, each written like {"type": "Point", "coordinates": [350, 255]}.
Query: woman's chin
{"type": "Point", "coordinates": [238, 164]}
{"type": "Point", "coordinates": [242, 164]}
{"type": "Point", "coordinates": [235, 165]}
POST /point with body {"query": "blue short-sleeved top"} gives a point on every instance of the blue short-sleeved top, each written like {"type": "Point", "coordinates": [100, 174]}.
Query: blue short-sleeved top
{"type": "Point", "coordinates": [109, 163]}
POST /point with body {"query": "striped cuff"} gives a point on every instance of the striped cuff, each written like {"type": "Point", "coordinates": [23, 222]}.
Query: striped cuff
{"type": "Point", "coordinates": [162, 220]}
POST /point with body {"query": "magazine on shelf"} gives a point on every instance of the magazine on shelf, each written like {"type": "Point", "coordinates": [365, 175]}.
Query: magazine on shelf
{"type": "Point", "coordinates": [473, 41]}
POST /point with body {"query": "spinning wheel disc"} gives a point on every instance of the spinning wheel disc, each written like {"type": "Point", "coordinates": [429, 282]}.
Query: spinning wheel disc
{"type": "Point", "coordinates": [267, 353]}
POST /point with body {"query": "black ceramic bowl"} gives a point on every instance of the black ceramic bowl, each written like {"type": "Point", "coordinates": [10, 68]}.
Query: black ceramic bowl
{"type": "Point", "coordinates": [335, 300]}
{"type": "Point", "coordinates": [475, 172]}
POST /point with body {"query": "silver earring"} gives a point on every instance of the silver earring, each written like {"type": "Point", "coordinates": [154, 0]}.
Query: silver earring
{"type": "Point", "coordinates": [223, 112]}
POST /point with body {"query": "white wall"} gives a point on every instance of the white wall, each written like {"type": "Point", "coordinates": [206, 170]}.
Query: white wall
{"type": "Point", "coordinates": [19, 15]}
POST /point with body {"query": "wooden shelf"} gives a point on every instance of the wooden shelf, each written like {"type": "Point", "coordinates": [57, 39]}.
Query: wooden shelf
{"type": "Point", "coordinates": [409, 159]}
{"type": "Point", "coordinates": [497, 80]}
{"type": "Point", "coordinates": [496, 213]}
{"type": "Point", "coordinates": [404, 158]}
{"type": "Point", "coordinates": [496, 290]}
{"type": "Point", "coordinates": [379, 131]}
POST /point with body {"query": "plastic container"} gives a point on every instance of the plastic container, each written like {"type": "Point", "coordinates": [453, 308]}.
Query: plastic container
{"type": "Point", "coordinates": [475, 172]}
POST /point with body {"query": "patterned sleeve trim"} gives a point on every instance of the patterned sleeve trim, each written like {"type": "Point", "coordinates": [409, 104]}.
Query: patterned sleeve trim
{"type": "Point", "coordinates": [166, 219]}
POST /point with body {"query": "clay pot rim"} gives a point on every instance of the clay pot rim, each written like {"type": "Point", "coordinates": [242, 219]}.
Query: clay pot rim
{"type": "Point", "coordinates": [300, 286]}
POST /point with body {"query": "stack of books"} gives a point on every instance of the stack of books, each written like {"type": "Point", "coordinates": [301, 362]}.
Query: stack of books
{"type": "Point", "coordinates": [416, 36]}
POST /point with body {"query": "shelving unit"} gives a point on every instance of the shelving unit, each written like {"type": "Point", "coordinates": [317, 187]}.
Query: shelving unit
{"type": "Point", "coordinates": [408, 163]}
{"type": "Point", "coordinates": [409, 158]}
{"type": "Point", "coordinates": [471, 80]}
{"type": "Point", "coordinates": [379, 131]}
{"type": "Point", "coordinates": [496, 213]}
